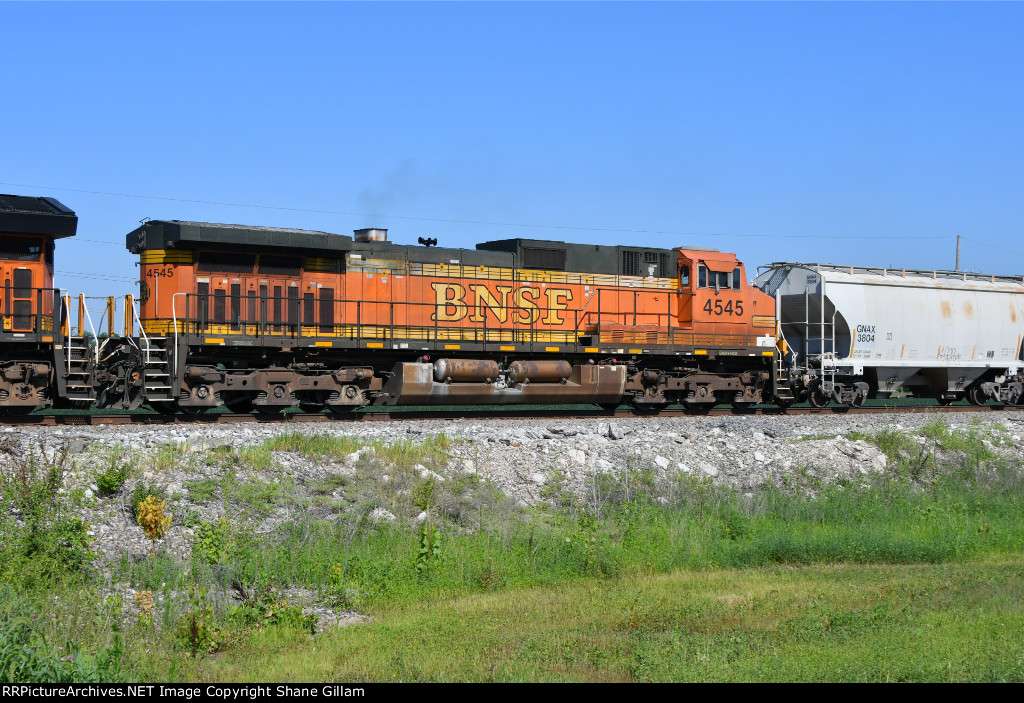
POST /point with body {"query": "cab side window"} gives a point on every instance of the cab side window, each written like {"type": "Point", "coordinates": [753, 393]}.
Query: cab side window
{"type": "Point", "coordinates": [702, 276]}
{"type": "Point", "coordinates": [737, 278]}
{"type": "Point", "coordinates": [684, 277]}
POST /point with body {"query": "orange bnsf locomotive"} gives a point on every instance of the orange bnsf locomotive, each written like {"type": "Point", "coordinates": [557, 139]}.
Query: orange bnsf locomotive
{"type": "Point", "coordinates": [266, 318]}
{"type": "Point", "coordinates": [259, 318]}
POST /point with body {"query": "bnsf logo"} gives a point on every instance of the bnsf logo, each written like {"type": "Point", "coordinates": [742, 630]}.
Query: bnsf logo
{"type": "Point", "coordinates": [455, 302]}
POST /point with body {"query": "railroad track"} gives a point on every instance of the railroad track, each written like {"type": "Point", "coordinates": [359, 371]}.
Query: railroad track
{"type": "Point", "coordinates": [386, 415]}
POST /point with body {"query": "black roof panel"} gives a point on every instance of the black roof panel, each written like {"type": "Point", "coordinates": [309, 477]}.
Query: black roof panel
{"type": "Point", "coordinates": [178, 234]}
{"type": "Point", "coordinates": [26, 214]}
{"type": "Point", "coordinates": [585, 258]}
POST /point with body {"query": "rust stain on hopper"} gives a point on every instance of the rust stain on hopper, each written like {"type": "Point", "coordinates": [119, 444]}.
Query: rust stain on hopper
{"type": "Point", "coordinates": [947, 310]}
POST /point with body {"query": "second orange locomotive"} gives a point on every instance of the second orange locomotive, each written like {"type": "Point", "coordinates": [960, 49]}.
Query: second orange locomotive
{"type": "Point", "coordinates": [265, 318]}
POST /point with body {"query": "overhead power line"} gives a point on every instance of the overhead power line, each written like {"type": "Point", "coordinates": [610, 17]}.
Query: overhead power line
{"type": "Point", "coordinates": [96, 276]}
{"type": "Point", "coordinates": [993, 246]}
{"type": "Point", "coordinates": [580, 228]}
{"type": "Point", "coordinates": [76, 240]}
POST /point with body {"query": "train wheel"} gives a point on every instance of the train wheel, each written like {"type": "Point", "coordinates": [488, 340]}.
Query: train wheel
{"type": "Point", "coordinates": [976, 396]}
{"type": "Point", "coordinates": [341, 410]}
{"type": "Point", "coordinates": [857, 402]}
{"type": "Point", "coordinates": [311, 408]}
{"type": "Point", "coordinates": [270, 409]}
{"type": "Point", "coordinates": [1015, 398]}
{"type": "Point", "coordinates": [609, 407]}
{"type": "Point", "coordinates": [946, 400]}
{"type": "Point", "coordinates": [191, 410]}
{"type": "Point", "coordinates": [816, 396]}
{"type": "Point", "coordinates": [16, 410]}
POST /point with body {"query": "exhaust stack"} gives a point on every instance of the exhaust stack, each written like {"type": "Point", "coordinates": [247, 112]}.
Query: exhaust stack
{"type": "Point", "coordinates": [371, 234]}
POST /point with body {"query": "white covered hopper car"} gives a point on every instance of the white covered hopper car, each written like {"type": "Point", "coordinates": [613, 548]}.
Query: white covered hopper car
{"type": "Point", "coordinates": [850, 333]}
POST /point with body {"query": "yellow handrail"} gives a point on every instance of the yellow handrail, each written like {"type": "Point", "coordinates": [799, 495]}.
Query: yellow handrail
{"type": "Point", "coordinates": [129, 321]}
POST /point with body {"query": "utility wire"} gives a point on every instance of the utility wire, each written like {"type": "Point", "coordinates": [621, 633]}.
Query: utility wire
{"type": "Point", "coordinates": [471, 222]}
{"type": "Point", "coordinates": [96, 276]}
{"type": "Point", "coordinates": [76, 240]}
{"type": "Point", "coordinates": [993, 246]}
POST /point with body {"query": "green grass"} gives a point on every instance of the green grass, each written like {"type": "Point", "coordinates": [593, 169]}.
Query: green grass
{"type": "Point", "coordinates": [958, 622]}
{"type": "Point", "coordinates": [202, 490]}
{"type": "Point", "coordinates": [497, 544]}
{"type": "Point", "coordinates": [255, 494]}
{"type": "Point", "coordinates": [403, 453]}
{"type": "Point", "coordinates": [970, 442]}
{"type": "Point", "coordinates": [314, 446]}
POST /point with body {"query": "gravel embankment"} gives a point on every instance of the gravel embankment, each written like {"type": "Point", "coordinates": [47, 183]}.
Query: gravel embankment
{"type": "Point", "coordinates": [519, 457]}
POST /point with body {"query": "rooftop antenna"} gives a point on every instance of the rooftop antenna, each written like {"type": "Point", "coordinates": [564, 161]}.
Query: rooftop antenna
{"type": "Point", "coordinates": [957, 252]}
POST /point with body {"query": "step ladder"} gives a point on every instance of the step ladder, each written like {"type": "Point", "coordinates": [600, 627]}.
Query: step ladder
{"type": "Point", "coordinates": [78, 370]}
{"type": "Point", "coordinates": [156, 370]}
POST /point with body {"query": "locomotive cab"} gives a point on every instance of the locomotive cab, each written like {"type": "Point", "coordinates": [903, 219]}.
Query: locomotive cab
{"type": "Point", "coordinates": [28, 228]}
{"type": "Point", "coordinates": [715, 299]}
{"type": "Point", "coordinates": [28, 301]}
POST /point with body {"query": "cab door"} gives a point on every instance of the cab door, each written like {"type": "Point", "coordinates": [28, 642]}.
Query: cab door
{"type": "Point", "coordinates": [18, 307]}
{"type": "Point", "coordinates": [685, 292]}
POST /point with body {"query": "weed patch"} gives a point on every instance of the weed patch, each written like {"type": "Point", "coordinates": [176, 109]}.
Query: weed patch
{"type": "Point", "coordinates": [110, 479]}
{"type": "Point", "coordinates": [42, 538]}
{"type": "Point", "coordinates": [202, 490]}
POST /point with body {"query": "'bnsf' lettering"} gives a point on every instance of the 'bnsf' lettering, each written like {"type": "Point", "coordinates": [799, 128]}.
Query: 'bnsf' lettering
{"type": "Point", "coordinates": [484, 300]}
{"type": "Point", "coordinates": [449, 307]}
{"type": "Point", "coordinates": [525, 300]}
{"type": "Point", "coordinates": [555, 304]}
{"type": "Point", "coordinates": [454, 302]}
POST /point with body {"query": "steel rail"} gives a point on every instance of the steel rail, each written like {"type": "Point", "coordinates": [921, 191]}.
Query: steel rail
{"type": "Point", "coordinates": [390, 415]}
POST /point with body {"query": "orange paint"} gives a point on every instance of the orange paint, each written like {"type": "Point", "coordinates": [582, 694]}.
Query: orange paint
{"type": "Point", "coordinates": [376, 297]}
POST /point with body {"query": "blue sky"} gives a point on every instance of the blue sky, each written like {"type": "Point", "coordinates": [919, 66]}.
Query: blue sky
{"type": "Point", "coordinates": [862, 133]}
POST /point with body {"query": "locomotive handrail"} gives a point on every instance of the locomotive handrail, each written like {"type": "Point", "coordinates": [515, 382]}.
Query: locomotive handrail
{"type": "Point", "coordinates": [65, 327]}
{"type": "Point", "coordinates": [92, 329]}
{"type": "Point", "coordinates": [142, 330]}
{"type": "Point", "coordinates": [172, 357]}
{"type": "Point", "coordinates": [39, 316]}
{"type": "Point", "coordinates": [593, 294]}
{"type": "Point", "coordinates": [358, 323]}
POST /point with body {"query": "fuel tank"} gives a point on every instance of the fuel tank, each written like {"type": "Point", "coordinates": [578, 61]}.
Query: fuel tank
{"type": "Point", "coordinates": [415, 383]}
